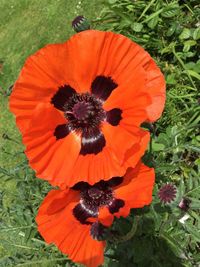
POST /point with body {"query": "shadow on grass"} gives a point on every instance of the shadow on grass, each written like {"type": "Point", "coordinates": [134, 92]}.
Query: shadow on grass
{"type": "Point", "coordinates": [145, 249]}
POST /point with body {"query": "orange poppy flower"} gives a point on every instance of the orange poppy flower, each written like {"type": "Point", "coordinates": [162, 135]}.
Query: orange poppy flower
{"type": "Point", "coordinates": [73, 219]}
{"type": "Point", "coordinates": [79, 106]}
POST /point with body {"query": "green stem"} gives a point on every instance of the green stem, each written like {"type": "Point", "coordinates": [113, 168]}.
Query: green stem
{"type": "Point", "coordinates": [119, 239]}
{"type": "Point", "coordinates": [183, 66]}
{"type": "Point", "coordinates": [152, 15]}
{"type": "Point", "coordinates": [146, 8]}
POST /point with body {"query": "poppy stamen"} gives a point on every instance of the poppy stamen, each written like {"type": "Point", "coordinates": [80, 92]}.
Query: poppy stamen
{"type": "Point", "coordinates": [84, 112]}
{"type": "Point", "coordinates": [93, 197]}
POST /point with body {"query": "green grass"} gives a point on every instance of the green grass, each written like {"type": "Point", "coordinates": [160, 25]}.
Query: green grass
{"type": "Point", "coordinates": [169, 30]}
{"type": "Point", "coordinates": [25, 26]}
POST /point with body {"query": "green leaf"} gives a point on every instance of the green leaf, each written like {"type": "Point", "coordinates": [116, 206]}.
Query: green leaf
{"type": "Point", "coordinates": [170, 79]}
{"type": "Point", "coordinates": [195, 233]}
{"type": "Point", "coordinates": [157, 146]}
{"type": "Point", "coordinates": [196, 34]}
{"type": "Point", "coordinates": [194, 74]}
{"type": "Point", "coordinates": [188, 44]}
{"type": "Point", "coordinates": [137, 27]}
{"type": "Point", "coordinates": [139, 246]}
{"type": "Point", "coordinates": [171, 30]}
{"type": "Point", "coordinates": [170, 11]}
{"type": "Point", "coordinates": [173, 243]}
{"type": "Point", "coordinates": [153, 22]}
{"type": "Point", "coordinates": [185, 34]}
{"type": "Point", "coordinates": [195, 203]}
{"type": "Point", "coordinates": [112, 1]}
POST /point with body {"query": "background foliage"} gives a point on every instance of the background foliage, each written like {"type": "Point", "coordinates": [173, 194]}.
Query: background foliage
{"type": "Point", "coordinates": [170, 32]}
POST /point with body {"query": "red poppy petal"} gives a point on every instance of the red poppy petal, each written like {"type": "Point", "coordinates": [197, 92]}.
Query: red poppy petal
{"type": "Point", "coordinates": [38, 81]}
{"type": "Point", "coordinates": [156, 86]}
{"type": "Point", "coordinates": [92, 168]}
{"type": "Point", "coordinates": [137, 186]}
{"type": "Point", "coordinates": [124, 211]}
{"type": "Point", "coordinates": [127, 93]}
{"type": "Point", "coordinates": [134, 154]}
{"type": "Point", "coordinates": [119, 57]}
{"type": "Point", "coordinates": [59, 226]}
{"type": "Point", "coordinates": [132, 102]}
{"type": "Point", "coordinates": [46, 154]}
{"type": "Point", "coordinates": [105, 217]}
{"type": "Point", "coordinates": [122, 141]}
{"type": "Point", "coordinates": [134, 70]}
{"type": "Point", "coordinates": [135, 191]}
{"type": "Point", "coordinates": [84, 51]}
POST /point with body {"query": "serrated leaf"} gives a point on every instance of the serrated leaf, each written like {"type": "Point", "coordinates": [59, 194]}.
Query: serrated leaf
{"type": "Point", "coordinates": [173, 243]}
{"type": "Point", "coordinates": [170, 11]}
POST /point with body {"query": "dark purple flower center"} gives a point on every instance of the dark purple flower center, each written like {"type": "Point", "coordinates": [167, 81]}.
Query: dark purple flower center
{"type": "Point", "coordinates": [95, 193]}
{"type": "Point", "coordinates": [96, 196]}
{"type": "Point", "coordinates": [81, 110]}
{"type": "Point", "coordinates": [84, 113]}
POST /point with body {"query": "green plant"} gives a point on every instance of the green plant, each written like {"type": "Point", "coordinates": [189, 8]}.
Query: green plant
{"type": "Point", "coordinates": [153, 236]}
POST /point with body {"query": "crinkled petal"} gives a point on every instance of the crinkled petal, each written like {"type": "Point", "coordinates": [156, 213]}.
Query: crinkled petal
{"type": "Point", "coordinates": [136, 189]}
{"type": "Point", "coordinates": [52, 159]}
{"type": "Point", "coordinates": [57, 225]}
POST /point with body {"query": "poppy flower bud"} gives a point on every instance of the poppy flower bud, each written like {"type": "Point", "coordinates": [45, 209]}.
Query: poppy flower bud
{"type": "Point", "coordinates": [167, 193]}
{"type": "Point", "coordinates": [80, 24]}
{"type": "Point", "coordinates": [184, 204]}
